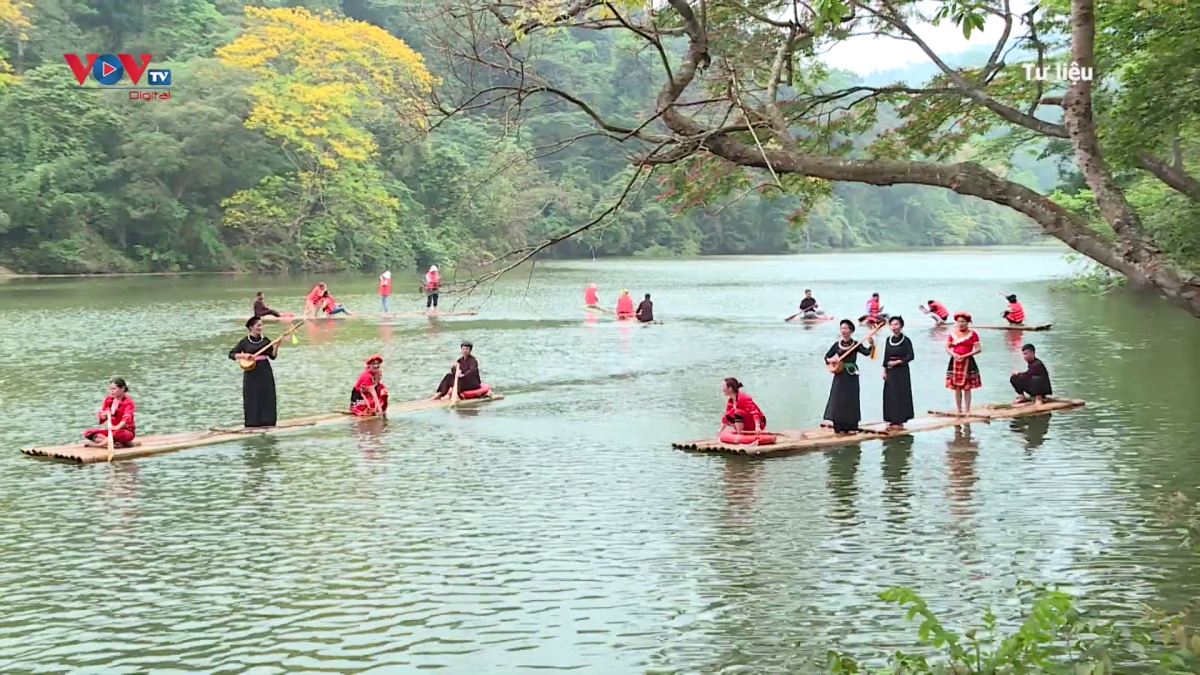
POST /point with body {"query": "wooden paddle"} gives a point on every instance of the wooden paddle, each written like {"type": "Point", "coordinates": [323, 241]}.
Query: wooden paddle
{"type": "Point", "coordinates": [454, 391]}
{"type": "Point", "coordinates": [250, 362]}
{"type": "Point", "coordinates": [111, 445]}
{"type": "Point", "coordinates": [837, 365]}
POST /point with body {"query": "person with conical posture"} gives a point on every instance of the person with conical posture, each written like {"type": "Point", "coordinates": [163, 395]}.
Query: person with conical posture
{"type": "Point", "coordinates": [843, 409]}
{"type": "Point", "coordinates": [467, 369]}
{"type": "Point", "coordinates": [369, 396]}
{"type": "Point", "coordinates": [897, 380]}
{"type": "Point", "coordinates": [625, 305]}
{"type": "Point", "coordinates": [258, 383]}
{"type": "Point", "coordinates": [119, 408]}
{"type": "Point", "coordinates": [433, 282]}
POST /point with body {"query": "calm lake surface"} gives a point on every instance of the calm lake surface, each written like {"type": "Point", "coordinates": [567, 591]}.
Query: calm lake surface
{"type": "Point", "coordinates": [557, 529]}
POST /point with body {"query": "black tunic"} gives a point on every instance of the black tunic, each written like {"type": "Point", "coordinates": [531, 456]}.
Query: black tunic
{"type": "Point", "coordinates": [843, 406]}
{"type": "Point", "coordinates": [1035, 381]}
{"type": "Point", "coordinates": [261, 310]}
{"type": "Point", "coordinates": [468, 377]}
{"type": "Point", "coordinates": [897, 388]}
{"type": "Point", "coordinates": [258, 385]}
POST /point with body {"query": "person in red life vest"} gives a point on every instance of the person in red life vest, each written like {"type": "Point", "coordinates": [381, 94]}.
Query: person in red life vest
{"type": "Point", "coordinates": [119, 408]}
{"type": "Point", "coordinates": [741, 413]}
{"type": "Point", "coordinates": [874, 313]}
{"type": "Point", "coordinates": [433, 281]}
{"type": "Point", "coordinates": [625, 305]}
{"type": "Point", "coordinates": [385, 289]}
{"type": "Point", "coordinates": [591, 297]}
{"type": "Point", "coordinates": [962, 373]}
{"type": "Point", "coordinates": [938, 311]}
{"type": "Point", "coordinates": [1015, 314]}
{"type": "Point", "coordinates": [468, 374]}
{"type": "Point", "coordinates": [370, 396]}
{"type": "Point", "coordinates": [331, 307]}
{"type": "Point", "coordinates": [313, 299]}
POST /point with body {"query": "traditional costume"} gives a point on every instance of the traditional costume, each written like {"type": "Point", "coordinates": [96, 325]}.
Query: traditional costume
{"type": "Point", "coordinates": [367, 388]}
{"type": "Point", "coordinates": [741, 408]}
{"type": "Point", "coordinates": [897, 388]}
{"type": "Point", "coordinates": [963, 374]}
{"type": "Point", "coordinates": [122, 416]}
{"type": "Point", "coordinates": [843, 408]}
{"type": "Point", "coordinates": [258, 385]}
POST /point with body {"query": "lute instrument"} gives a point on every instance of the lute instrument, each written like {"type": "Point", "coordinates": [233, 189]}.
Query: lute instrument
{"type": "Point", "coordinates": [251, 362]}
{"type": "Point", "coordinates": [838, 365]}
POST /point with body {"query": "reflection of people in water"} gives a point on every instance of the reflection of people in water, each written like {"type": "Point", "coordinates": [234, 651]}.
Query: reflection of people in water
{"type": "Point", "coordinates": [1033, 428]}
{"type": "Point", "coordinates": [961, 452]}
{"type": "Point", "coordinates": [739, 481]}
{"type": "Point", "coordinates": [897, 457]}
{"type": "Point", "coordinates": [843, 469]}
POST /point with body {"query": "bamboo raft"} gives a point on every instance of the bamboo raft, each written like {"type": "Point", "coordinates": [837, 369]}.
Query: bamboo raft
{"type": "Point", "coordinates": [343, 317]}
{"type": "Point", "coordinates": [812, 439]}
{"type": "Point", "coordinates": [164, 443]}
{"type": "Point", "coordinates": [1034, 326]}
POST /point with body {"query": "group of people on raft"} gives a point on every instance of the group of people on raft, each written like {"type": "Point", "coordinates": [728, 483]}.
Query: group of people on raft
{"type": "Point", "coordinates": [368, 397]}
{"type": "Point", "coordinates": [875, 316]}
{"type": "Point", "coordinates": [319, 302]}
{"type": "Point", "coordinates": [744, 423]}
{"type": "Point", "coordinates": [625, 310]}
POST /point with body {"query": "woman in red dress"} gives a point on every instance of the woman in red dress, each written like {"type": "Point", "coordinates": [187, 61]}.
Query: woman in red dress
{"type": "Point", "coordinates": [119, 407]}
{"type": "Point", "coordinates": [741, 412]}
{"type": "Point", "coordinates": [369, 396]}
{"type": "Point", "coordinates": [962, 373]}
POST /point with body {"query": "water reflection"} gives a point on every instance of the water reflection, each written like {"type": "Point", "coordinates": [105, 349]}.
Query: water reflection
{"type": "Point", "coordinates": [739, 483]}
{"type": "Point", "coordinates": [961, 452]}
{"type": "Point", "coordinates": [897, 491]}
{"type": "Point", "coordinates": [843, 472]}
{"type": "Point", "coordinates": [1034, 429]}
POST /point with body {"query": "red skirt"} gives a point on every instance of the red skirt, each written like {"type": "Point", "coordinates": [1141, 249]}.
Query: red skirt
{"type": "Point", "coordinates": [362, 408]}
{"type": "Point", "coordinates": [120, 436]}
{"type": "Point", "coordinates": [963, 374]}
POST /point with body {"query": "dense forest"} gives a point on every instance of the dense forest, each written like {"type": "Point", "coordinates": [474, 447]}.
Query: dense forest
{"type": "Point", "coordinates": [299, 136]}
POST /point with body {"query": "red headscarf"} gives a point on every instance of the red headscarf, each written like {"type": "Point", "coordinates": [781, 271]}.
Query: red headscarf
{"type": "Point", "coordinates": [374, 357]}
{"type": "Point", "coordinates": [963, 315]}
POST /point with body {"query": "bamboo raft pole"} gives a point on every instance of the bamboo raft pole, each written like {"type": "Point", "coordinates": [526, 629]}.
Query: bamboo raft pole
{"type": "Point", "coordinates": [160, 444]}
{"type": "Point", "coordinates": [811, 439]}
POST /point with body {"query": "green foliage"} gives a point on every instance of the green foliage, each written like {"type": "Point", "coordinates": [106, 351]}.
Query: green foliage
{"type": "Point", "coordinates": [1054, 636]}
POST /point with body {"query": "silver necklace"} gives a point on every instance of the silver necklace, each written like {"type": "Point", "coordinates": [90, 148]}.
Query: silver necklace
{"type": "Point", "coordinates": [895, 344]}
{"type": "Point", "coordinates": [255, 341]}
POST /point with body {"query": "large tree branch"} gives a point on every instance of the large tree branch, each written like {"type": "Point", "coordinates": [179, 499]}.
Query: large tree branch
{"type": "Point", "coordinates": [1172, 174]}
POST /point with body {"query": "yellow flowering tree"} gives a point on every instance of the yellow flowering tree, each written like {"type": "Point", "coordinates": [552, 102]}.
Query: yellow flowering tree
{"type": "Point", "coordinates": [14, 25]}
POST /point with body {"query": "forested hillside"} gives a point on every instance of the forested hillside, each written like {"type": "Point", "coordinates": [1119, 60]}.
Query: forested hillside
{"type": "Point", "coordinates": [303, 141]}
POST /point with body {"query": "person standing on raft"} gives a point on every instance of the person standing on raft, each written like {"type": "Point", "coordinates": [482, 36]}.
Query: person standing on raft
{"type": "Point", "coordinates": [962, 373]}
{"type": "Point", "coordinates": [467, 369]}
{"type": "Point", "coordinates": [433, 282]}
{"type": "Point", "coordinates": [1034, 382]}
{"type": "Point", "coordinates": [897, 380]}
{"type": "Point", "coordinates": [938, 311]}
{"type": "Point", "coordinates": [625, 305]}
{"type": "Point", "coordinates": [119, 408]}
{"type": "Point", "coordinates": [261, 309]}
{"type": "Point", "coordinates": [258, 384]}
{"type": "Point", "coordinates": [843, 408]}
{"type": "Point", "coordinates": [591, 297]}
{"type": "Point", "coordinates": [369, 396]}
{"type": "Point", "coordinates": [809, 309]}
{"type": "Point", "coordinates": [645, 310]}
{"type": "Point", "coordinates": [1015, 314]}
{"type": "Point", "coordinates": [314, 298]}
{"type": "Point", "coordinates": [741, 412]}
{"type": "Point", "coordinates": [385, 289]}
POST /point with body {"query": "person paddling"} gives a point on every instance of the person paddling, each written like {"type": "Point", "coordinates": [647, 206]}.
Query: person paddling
{"type": "Point", "coordinates": [645, 310]}
{"type": "Point", "coordinates": [809, 309]}
{"type": "Point", "coordinates": [385, 290]}
{"type": "Point", "coordinates": [433, 282]}
{"type": "Point", "coordinates": [625, 305]}
{"type": "Point", "coordinates": [1015, 314]}
{"type": "Point", "coordinates": [116, 412]}
{"type": "Point", "coordinates": [874, 315]}
{"type": "Point", "coordinates": [369, 396]}
{"type": "Point", "coordinates": [1034, 382]}
{"type": "Point", "coordinates": [467, 370]}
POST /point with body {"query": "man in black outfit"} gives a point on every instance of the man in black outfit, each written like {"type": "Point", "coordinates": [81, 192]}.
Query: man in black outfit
{"type": "Point", "coordinates": [1035, 381]}
{"type": "Point", "coordinates": [808, 306]}
{"type": "Point", "coordinates": [645, 310]}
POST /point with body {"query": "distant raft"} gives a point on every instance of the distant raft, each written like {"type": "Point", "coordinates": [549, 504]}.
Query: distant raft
{"type": "Point", "coordinates": [815, 319]}
{"type": "Point", "coordinates": [145, 446]}
{"type": "Point", "coordinates": [1034, 326]}
{"type": "Point", "coordinates": [343, 317]}
{"type": "Point", "coordinates": [814, 439]}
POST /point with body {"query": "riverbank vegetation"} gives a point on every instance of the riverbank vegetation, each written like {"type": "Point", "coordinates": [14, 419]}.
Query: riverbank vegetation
{"type": "Point", "coordinates": [310, 138]}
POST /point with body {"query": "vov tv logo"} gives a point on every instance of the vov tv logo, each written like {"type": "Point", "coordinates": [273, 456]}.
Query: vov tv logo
{"type": "Point", "coordinates": [108, 70]}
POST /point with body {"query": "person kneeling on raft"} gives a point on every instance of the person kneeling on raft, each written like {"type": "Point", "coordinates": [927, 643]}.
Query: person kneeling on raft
{"type": "Point", "coordinates": [741, 413]}
{"type": "Point", "coordinates": [468, 374]}
{"type": "Point", "coordinates": [118, 408]}
{"type": "Point", "coordinates": [370, 396]}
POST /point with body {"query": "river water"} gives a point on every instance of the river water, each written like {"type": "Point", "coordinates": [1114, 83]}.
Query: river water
{"type": "Point", "coordinates": [557, 529]}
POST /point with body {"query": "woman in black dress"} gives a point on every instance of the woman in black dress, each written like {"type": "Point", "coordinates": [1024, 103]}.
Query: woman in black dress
{"type": "Point", "coordinates": [843, 406]}
{"type": "Point", "coordinates": [258, 385]}
{"type": "Point", "coordinates": [897, 381]}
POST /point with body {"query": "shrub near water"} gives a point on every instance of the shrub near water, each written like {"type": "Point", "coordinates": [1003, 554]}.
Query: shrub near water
{"type": "Point", "coordinates": [1056, 635]}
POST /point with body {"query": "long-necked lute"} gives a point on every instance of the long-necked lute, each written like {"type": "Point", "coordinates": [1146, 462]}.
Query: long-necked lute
{"type": "Point", "coordinates": [250, 362]}
{"type": "Point", "coordinates": [838, 365]}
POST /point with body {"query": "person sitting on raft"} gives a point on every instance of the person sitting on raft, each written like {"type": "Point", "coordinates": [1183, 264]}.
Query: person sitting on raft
{"type": "Point", "coordinates": [625, 305]}
{"type": "Point", "coordinates": [938, 311]}
{"type": "Point", "coordinates": [369, 396]}
{"type": "Point", "coordinates": [1015, 314]}
{"type": "Point", "coordinates": [468, 374]}
{"type": "Point", "coordinates": [1034, 382]}
{"type": "Point", "coordinates": [118, 407]}
{"type": "Point", "coordinates": [645, 310]}
{"type": "Point", "coordinates": [741, 412]}
{"type": "Point", "coordinates": [808, 306]}
{"type": "Point", "coordinates": [261, 309]}
{"type": "Point", "coordinates": [331, 307]}
{"type": "Point", "coordinates": [314, 298]}
{"type": "Point", "coordinates": [591, 297]}
{"type": "Point", "coordinates": [874, 313]}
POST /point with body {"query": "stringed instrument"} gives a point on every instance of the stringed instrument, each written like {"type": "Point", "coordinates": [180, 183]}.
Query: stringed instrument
{"type": "Point", "coordinates": [838, 366]}
{"type": "Point", "coordinates": [251, 362]}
